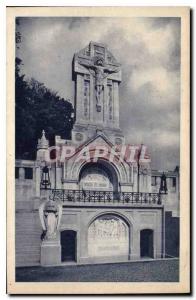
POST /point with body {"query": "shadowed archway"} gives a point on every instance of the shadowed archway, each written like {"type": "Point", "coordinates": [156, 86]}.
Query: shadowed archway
{"type": "Point", "coordinates": [146, 243]}
{"type": "Point", "coordinates": [99, 176]}
{"type": "Point", "coordinates": [68, 245]}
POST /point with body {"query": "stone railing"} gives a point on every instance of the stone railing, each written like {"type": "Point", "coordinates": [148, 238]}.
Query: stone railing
{"type": "Point", "coordinates": [89, 196]}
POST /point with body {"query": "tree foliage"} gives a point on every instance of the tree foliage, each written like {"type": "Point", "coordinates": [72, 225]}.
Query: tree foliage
{"type": "Point", "coordinates": [38, 108]}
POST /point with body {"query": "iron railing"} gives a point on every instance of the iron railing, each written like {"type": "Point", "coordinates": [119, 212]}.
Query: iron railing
{"type": "Point", "coordinates": [105, 197]}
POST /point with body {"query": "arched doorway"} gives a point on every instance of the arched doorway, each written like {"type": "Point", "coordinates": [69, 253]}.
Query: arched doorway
{"type": "Point", "coordinates": [108, 235]}
{"type": "Point", "coordinates": [100, 176]}
{"type": "Point", "coordinates": [146, 243]}
{"type": "Point", "coordinates": [68, 245]}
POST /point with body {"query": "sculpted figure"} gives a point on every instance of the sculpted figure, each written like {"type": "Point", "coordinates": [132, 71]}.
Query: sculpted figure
{"type": "Point", "coordinates": [50, 215]}
{"type": "Point", "coordinates": [51, 223]}
{"type": "Point", "coordinates": [99, 72]}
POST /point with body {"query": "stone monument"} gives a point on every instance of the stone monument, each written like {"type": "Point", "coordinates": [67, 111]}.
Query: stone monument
{"type": "Point", "coordinates": [97, 76]}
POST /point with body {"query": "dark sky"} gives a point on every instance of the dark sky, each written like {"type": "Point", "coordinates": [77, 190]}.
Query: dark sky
{"type": "Point", "coordinates": [149, 51]}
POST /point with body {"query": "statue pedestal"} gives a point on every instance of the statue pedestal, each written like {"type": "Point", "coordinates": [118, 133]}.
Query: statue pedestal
{"type": "Point", "coordinates": [50, 253]}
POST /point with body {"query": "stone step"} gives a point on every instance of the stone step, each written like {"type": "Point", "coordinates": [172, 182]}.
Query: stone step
{"type": "Point", "coordinates": [28, 242]}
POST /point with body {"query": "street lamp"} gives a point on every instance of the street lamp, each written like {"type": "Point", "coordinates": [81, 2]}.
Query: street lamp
{"type": "Point", "coordinates": [45, 179]}
{"type": "Point", "coordinates": [163, 185]}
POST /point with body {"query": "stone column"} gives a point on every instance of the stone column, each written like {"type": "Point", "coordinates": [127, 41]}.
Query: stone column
{"type": "Point", "coordinates": [135, 180]}
{"type": "Point", "coordinates": [91, 102]}
{"type": "Point", "coordinates": [84, 236]}
{"type": "Point", "coordinates": [21, 173]}
{"type": "Point", "coordinates": [149, 179]}
{"type": "Point", "coordinates": [80, 98]}
{"type": "Point", "coordinates": [52, 175]}
{"type": "Point", "coordinates": [116, 103]}
{"type": "Point", "coordinates": [37, 180]}
{"type": "Point", "coordinates": [58, 177]}
{"type": "Point", "coordinates": [136, 243]}
{"type": "Point", "coordinates": [105, 104]}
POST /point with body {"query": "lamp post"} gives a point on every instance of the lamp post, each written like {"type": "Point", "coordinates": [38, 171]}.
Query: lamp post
{"type": "Point", "coordinates": [163, 184]}
{"type": "Point", "coordinates": [45, 179]}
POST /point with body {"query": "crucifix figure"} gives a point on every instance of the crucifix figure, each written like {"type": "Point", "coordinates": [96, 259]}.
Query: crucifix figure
{"type": "Point", "coordinates": [99, 72]}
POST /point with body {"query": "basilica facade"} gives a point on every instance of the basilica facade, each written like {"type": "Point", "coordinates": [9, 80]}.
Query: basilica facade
{"type": "Point", "coordinates": [98, 201]}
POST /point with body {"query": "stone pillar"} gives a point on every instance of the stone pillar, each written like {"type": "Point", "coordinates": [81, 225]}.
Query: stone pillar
{"type": "Point", "coordinates": [58, 177]}
{"type": "Point", "coordinates": [130, 243]}
{"type": "Point", "coordinates": [37, 180]}
{"type": "Point", "coordinates": [149, 183]}
{"type": "Point", "coordinates": [91, 102]}
{"type": "Point", "coordinates": [52, 175]}
{"type": "Point", "coordinates": [21, 173]}
{"type": "Point", "coordinates": [116, 103]}
{"type": "Point", "coordinates": [51, 252]}
{"type": "Point", "coordinates": [135, 179]}
{"type": "Point", "coordinates": [132, 175]}
{"type": "Point", "coordinates": [105, 104]}
{"type": "Point", "coordinates": [84, 236]}
{"type": "Point", "coordinates": [136, 244]}
{"type": "Point", "coordinates": [80, 95]}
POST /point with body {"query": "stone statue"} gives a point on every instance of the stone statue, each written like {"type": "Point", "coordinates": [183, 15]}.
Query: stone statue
{"type": "Point", "coordinates": [50, 215]}
{"type": "Point", "coordinates": [99, 72]}
{"type": "Point", "coordinates": [51, 223]}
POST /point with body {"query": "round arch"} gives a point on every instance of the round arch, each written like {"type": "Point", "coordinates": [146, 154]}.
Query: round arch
{"type": "Point", "coordinates": [111, 212]}
{"type": "Point", "coordinates": [108, 235]}
{"type": "Point", "coordinates": [119, 169]}
{"type": "Point", "coordinates": [98, 175]}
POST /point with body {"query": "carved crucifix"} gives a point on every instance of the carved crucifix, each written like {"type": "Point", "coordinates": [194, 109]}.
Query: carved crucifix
{"type": "Point", "coordinates": [99, 72]}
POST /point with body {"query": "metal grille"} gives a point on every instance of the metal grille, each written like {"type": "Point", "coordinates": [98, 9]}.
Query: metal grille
{"type": "Point", "coordinates": [106, 197]}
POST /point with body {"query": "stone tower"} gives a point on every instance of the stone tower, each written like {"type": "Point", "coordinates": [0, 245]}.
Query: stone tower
{"type": "Point", "coordinates": [97, 76]}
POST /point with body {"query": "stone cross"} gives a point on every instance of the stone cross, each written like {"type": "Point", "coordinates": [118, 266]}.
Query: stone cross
{"type": "Point", "coordinates": [99, 72]}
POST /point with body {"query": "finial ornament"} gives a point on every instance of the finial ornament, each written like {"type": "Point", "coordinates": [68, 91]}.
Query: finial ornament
{"type": "Point", "coordinates": [43, 142]}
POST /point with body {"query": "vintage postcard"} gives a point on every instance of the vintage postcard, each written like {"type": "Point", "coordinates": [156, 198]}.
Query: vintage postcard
{"type": "Point", "coordinates": [98, 157]}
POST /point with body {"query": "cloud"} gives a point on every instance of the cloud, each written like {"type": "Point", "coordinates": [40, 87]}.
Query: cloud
{"type": "Point", "coordinates": [161, 79]}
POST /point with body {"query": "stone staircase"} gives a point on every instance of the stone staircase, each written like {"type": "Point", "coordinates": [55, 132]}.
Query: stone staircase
{"type": "Point", "coordinates": [28, 232]}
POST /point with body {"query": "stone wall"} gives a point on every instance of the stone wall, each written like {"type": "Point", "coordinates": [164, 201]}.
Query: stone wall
{"type": "Point", "coordinates": [171, 235]}
{"type": "Point", "coordinates": [79, 220]}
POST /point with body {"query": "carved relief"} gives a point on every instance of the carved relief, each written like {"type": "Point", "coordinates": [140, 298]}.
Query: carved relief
{"type": "Point", "coordinates": [99, 72]}
{"type": "Point", "coordinates": [108, 228]}
{"type": "Point", "coordinates": [100, 51]}
{"type": "Point", "coordinates": [97, 65]}
{"type": "Point", "coordinates": [94, 178]}
{"type": "Point", "coordinates": [79, 136]}
{"type": "Point", "coordinates": [110, 99]}
{"type": "Point", "coordinates": [86, 98]}
{"type": "Point", "coordinates": [108, 235]}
